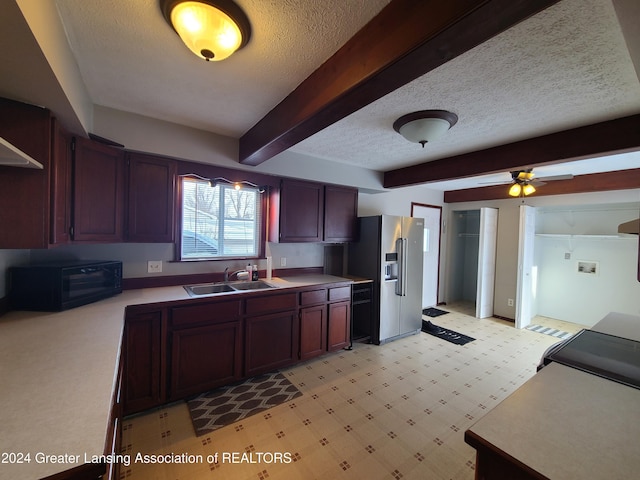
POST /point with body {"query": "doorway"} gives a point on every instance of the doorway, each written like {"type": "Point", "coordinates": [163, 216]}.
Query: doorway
{"type": "Point", "coordinates": [472, 258]}
{"type": "Point", "coordinates": [432, 215]}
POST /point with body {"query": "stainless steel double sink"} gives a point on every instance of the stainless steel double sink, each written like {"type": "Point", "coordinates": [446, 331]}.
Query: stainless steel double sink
{"type": "Point", "coordinates": [213, 288]}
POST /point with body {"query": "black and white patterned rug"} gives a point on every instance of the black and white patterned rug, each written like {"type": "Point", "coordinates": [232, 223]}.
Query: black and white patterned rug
{"type": "Point", "coordinates": [445, 333]}
{"type": "Point", "coordinates": [226, 405]}
{"type": "Point", "coordinates": [433, 312]}
{"type": "Point", "coordinates": [554, 332]}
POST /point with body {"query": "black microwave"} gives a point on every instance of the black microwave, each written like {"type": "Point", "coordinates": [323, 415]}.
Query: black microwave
{"type": "Point", "coordinates": [52, 287]}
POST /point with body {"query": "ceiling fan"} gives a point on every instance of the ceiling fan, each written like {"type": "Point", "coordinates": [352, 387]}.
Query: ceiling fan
{"type": "Point", "coordinates": [524, 182]}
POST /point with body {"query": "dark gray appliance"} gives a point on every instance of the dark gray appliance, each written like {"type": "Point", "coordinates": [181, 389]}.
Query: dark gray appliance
{"type": "Point", "coordinates": [59, 286]}
{"type": "Point", "coordinates": [608, 356]}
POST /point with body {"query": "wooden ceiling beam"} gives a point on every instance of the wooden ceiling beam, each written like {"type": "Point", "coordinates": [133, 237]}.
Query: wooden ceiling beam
{"type": "Point", "coordinates": [622, 134]}
{"type": "Point", "coordinates": [406, 40]}
{"type": "Point", "coordinates": [593, 182]}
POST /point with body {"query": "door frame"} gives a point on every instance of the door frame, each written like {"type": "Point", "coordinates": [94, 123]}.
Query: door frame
{"type": "Point", "coordinates": [525, 279]}
{"type": "Point", "coordinates": [487, 251]}
{"type": "Point", "coordinates": [439, 208]}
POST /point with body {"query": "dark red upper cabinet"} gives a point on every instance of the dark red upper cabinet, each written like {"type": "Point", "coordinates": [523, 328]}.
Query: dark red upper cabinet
{"type": "Point", "coordinates": [151, 198]}
{"type": "Point", "coordinates": [301, 211]}
{"type": "Point", "coordinates": [340, 213]}
{"type": "Point", "coordinates": [35, 202]}
{"type": "Point", "coordinates": [312, 212]}
{"type": "Point", "coordinates": [98, 200]}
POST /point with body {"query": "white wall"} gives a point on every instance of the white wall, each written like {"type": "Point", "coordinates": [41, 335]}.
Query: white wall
{"type": "Point", "coordinates": [397, 201]}
{"type": "Point", "coordinates": [140, 133]}
{"type": "Point", "coordinates": [134, 257]}
{"type": "Point", "coordinates": [508, 220]}
{"type": "Point", "coordinates": [565, 293]}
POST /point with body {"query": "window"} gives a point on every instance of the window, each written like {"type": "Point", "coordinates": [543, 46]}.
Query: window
{"type": "Point", "coordinates": [219, 221]}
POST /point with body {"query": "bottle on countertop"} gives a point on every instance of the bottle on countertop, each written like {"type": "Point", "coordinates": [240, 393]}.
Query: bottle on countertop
{"type": "Point", "coordinates": [248, 269]}
{"type": "Point", "coordinates": [254, 273]}
{"type": "Point", "coordinates": [269, 268]}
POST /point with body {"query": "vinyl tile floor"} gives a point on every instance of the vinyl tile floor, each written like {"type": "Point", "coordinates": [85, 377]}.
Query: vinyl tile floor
{"type": "Point", "coordinates": [395, 411]}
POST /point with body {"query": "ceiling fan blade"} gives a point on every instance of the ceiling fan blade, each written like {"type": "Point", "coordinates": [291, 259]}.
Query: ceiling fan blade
{"type": "Point", "coordinates": [567, 176]}
{"type": "Point", "coordinates": [495, 183]}
{"type": "Point", "coordinates": [537, 183]}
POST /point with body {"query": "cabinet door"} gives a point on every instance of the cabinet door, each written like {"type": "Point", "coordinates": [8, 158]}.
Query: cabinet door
{"type": "Point", "coordinates": [142, 362]}
{"type": "Point", "coordinates": [98, 199]}
{"type": "Point", "coordinates": [340, 214]}
{"type": "Point", "coordinates": [339, 325]}
{"type": "Point", "coordinates": [24, 192]}
{"type": "Point", "coordinates": [301, 211]}
{"type": "Point", "coordinates": [271, 342]}
{"type": "Point", "coordinates": [151, 197]}
{"type": "Point", "coordinates": [61, 185]}
{"type": "Point", "coordinates": [204, 358]}
{"type": "Point", "coordinates": [313, 331]}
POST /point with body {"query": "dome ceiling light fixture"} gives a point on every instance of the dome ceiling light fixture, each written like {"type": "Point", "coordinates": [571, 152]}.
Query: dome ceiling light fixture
{"type": "Point", "coordinates": [212, 29]}
{"type": "Point", "coordinates": [425, 126]}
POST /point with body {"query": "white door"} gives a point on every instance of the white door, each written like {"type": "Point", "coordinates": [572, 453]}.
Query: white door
{"type": "Point", "coordinates": [431, 251]}
{"type": "Point", "coordinates": [526, 281]}
{"type": "Point", "coordinates": [486, 262]}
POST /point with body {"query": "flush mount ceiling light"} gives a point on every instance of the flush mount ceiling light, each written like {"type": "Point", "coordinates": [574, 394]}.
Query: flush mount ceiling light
{"type": "Point", "coordinates": [425, 126]}
{"type": "Point", "coordinates": [212, 29]}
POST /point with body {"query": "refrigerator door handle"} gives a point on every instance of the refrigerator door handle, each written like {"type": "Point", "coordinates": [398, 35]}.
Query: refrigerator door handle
{"type": "Point", "coordinates": [403, 259]}
{"type": "Point", "coordinates": [401, 284]}
{"type": "Point", "coordinates": [400, 280]}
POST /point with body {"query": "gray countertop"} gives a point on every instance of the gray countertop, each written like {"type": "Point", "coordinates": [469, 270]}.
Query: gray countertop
{"type": "Point", "coordinates": [565, 423]}
{"type": "Point", "coordinates": [58, 373]}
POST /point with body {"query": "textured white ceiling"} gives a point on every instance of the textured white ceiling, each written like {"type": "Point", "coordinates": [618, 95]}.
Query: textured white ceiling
{"type": "Point", "coordinates": [565, 67]}
{"type": "Point", "coordinates": [132, 60]}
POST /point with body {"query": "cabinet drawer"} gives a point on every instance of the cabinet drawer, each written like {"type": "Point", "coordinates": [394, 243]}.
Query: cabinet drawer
{"type": "Point", "coordinates": [339, 293]}
{"type": "Point", "coordinates": [271, 303]}
{"type": "Point", "coordinates": [314, 296]}
{"type": "Point", "coordinates": [214, 312]}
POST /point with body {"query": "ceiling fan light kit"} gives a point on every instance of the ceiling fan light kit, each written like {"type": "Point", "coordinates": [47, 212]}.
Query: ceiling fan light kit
{"type": "Point", "coordinates": [521, 183]}
{"type": "Point", "coordinates": [211, 29]}
{"type": "Point", "coordinates": [425, 126]}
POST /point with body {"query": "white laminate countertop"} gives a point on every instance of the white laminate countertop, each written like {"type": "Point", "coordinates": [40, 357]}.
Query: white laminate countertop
{"type": "Point", "coordinates": [58, 373]}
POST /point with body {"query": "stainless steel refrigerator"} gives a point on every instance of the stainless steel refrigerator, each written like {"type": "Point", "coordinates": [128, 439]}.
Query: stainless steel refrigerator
{"type": "Point", "coordinates": [389, 252]}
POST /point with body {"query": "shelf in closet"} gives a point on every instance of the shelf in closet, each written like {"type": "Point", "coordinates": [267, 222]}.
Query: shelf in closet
{"type": "Point", "coordinates": [588, 237]}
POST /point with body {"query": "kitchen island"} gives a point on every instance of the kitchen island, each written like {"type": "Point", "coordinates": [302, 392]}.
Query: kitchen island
{"type": "Point", "coordinates": [60, 375]}
{"type": "Point", "coordinates": [564, 423]}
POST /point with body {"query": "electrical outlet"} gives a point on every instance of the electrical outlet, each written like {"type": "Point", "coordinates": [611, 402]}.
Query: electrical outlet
{"type": "Point", "coordinates": [154, 266]}
{"type": "Point", "coordinates": [283, 261]}
{"type": "Point", "coordinates": [510, 302]}
{"type": "Point", "coordinates": [567, 256]}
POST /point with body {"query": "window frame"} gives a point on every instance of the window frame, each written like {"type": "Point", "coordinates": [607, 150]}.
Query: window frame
{"type": "Point", "coordinates": [263, 204]}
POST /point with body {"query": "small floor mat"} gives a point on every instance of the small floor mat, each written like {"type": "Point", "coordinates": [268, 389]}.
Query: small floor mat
{"type": "Point", "coordinates": [445, 333]}
{"type": "Point", "coordinates": [226, 405]}
{"type": "Point", "coordinates": [433, 312]}
{"type": "Point", "coordinates": [554, 332]}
